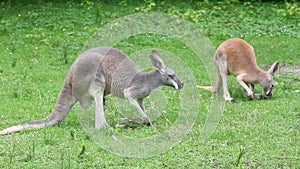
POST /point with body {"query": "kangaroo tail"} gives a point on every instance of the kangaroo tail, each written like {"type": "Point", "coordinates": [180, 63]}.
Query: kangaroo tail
{"type": "Point", "coordinates": [208, 88]}
{"type": "Point", "coordinates": [63, 105]}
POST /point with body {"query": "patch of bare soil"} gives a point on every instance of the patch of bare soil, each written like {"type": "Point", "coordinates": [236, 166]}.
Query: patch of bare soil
{"type": "Point", "coordinates": [293, 70]}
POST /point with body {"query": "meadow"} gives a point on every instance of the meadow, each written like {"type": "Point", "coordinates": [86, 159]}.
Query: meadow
{"type": "Point", "coordinates": [39, 40]}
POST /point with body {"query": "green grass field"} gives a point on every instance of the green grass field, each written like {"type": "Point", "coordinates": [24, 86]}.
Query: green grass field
{"type": "Point", "coordinates": [40, 40]}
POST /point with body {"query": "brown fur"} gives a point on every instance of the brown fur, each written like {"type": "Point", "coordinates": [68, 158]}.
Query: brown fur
{"type": "Point", "coordinates": [235, 56]}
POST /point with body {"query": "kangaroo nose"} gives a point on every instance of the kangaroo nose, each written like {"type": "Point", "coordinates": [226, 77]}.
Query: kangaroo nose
{"type": "Point", "coordinates": [181, 85]}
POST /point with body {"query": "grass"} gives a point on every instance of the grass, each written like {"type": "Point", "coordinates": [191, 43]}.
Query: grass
{"type": "Point", "coordinates": [40, 40]}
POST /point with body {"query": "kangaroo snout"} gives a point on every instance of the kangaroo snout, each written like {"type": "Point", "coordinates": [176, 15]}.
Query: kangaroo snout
{"type": "Point", "coordinates": [176, 83]}
{"type": "Point", "coordinates": [269, 94]}
{"type": "Point", "coordinates": [180, 85]}
{"type": "Point", "coordinates": [268, 91]}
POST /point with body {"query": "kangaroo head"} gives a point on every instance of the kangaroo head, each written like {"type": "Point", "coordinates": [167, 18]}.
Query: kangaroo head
{"type": "Point", "coordinates": [269, 82]}
{"type": "Point", "coordinates": [168, 75]}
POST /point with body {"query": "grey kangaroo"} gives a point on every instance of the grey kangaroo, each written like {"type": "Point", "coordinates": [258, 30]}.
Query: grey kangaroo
{"type": "Point", "coordinates": [101, 71]}
{"type": "Point", "coordinates": [235, 56]}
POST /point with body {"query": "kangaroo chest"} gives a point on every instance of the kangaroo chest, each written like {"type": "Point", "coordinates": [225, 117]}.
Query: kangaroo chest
{"type": "Point", "coordinates": [122, 77]}
{"type": "Point", "coordinates": [119, 73]}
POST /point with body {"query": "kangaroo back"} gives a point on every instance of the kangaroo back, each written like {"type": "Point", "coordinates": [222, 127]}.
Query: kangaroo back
{"type": "Point", "coordinates": [239, 55]}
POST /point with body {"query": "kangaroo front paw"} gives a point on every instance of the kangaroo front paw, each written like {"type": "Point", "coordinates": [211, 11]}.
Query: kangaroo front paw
{"type": "Point", "coordinates": [260, 96]}
{"type": "Point", "coordinates": [127, 119]}
{"type": "Point", "coordinates": [147, 122]}
{"type": "Point", "coordinates": [124, 126]}
{"type": "Point", "coordinates": [250, 96]}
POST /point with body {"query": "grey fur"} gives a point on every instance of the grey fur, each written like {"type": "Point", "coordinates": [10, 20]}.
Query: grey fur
{"type": "Point", "coordinates": [99, 72]}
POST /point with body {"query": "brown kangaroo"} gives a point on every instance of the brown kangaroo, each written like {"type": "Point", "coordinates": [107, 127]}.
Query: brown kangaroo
{"type": "Point", "coordinates": [235, 56]}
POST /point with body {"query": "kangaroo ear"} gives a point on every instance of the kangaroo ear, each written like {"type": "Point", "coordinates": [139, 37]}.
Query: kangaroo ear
{"type": "Point", "coordinates": [273, 68]}
{"type": "Point", "coordinates": [157, 61]}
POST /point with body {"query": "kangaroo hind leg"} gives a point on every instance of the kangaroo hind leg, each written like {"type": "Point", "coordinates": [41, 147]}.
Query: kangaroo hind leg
{"type": "Point", "coordinates": [218, 83]}
{"type": "Point", "coordinates": [223, 73]}
{"type": "Point", "coordinates": [97, 91]}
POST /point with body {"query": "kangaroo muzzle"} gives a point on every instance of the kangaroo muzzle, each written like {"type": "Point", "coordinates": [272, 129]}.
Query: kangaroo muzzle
{"type": "Point", "coordinates": [269, 93]}
{"type": "Point", "coordinates": [176, 85]}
